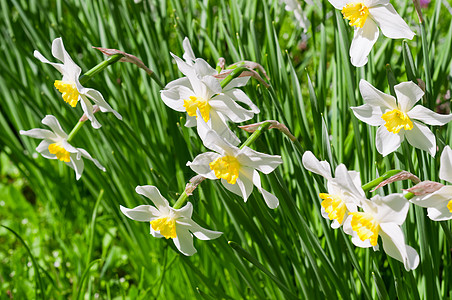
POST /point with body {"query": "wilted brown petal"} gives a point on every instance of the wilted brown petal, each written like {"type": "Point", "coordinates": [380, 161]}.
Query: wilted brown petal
{"type": "Point", "coordinates": [127, 58]}
{"type": "Point", "coordinates": [404, 175]}
{"type": "Point", "coordinates": [274, 124]}
{"type": "Point", "coordinates": [425, 187]}
{"type": "Point", "coordinates": [193, 184]}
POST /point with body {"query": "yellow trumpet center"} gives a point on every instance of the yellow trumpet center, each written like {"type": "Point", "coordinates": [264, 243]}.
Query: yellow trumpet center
{"type": "Point", "coordinates": [356, 13]}
{"type": "Point", "coordinates": [365, 225]}
{"type": "Point", "coordinates": [69, 91]}
{"type": "Point", "coordinates": [226, 167]}
{"type": "Point", "coordinates": [60, 152]}
{"type": "Point", "coordinates": [334, 207]}
{"type": "Point", "coordinates": [396, 120]}
{"type": "Point", "coordinates": [449, 206]}
{"type": "Point", "coordinates": [194, 103]}
{"type": "Point", "coordinates": [166, 226]}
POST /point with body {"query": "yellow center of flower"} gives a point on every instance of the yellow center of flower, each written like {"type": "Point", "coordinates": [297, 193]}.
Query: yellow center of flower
{"type": "Point", "coordinates": [396, 120]}
{"type": "Point", "coordinates": [60, 152]}
{"type": "Point", "coordinates": [355, 12]}
{"type": "Point", "coordinates": [449, 206]}
{"type": "Point", "coordinates": [226, 167]}
{"type": "Point", "coordinates": [196, 102]}
{"type": "Point", "coordinates": [69, 91]}
{"type": "Point", "coordinates": [365, 225]}
{"type": "Point", "coordinates": [166, 226]}
{"type": "Point", "coordinates": [334, 207]}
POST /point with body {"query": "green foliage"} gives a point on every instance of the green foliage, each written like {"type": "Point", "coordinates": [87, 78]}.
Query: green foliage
{"type": "Point", "coordinates": [83, 244]}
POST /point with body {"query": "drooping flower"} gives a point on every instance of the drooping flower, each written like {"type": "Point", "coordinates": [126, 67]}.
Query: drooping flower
{"type": "Point", "coordinates": [382, 216]}
{"type": "Point", "coordinates": [70, 87]}
{"type": "Point", "coordinates": [54, 145]}
{"type": "Point", "coordinates": [344, 190]}
{"type": "Point", "coordinates": [399, 119]}
{"type": "Point", "coordinates": [175, 224]}
{"type": "Point", "coordinates": [199, 90]}
{"type": "Point", "coordinates": [237, 168]}
{"type": "Point", "coordinates": [439, 203]}
{"type": "Point", "coordinates": [366, 16]}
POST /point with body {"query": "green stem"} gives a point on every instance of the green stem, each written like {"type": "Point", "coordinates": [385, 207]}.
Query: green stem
{"type": "Point", "coordinates": [252, 138]}
{"type": "Point", "coordinates": [234, 74]}
{"type": "Point", "coordinates": [75, 130]}
{"type": "Point", "coordinates": [181, 201]}
{"type": "Point", "coordinates": [100, 67]}
{"type": "Point", "coordinates": [380, 179]}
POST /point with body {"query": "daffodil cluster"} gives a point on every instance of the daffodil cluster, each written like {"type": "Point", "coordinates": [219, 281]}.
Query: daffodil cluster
{"type": "Point", "coordinates": [209, 105]}
{"type": "Point", "coordinates": [55, 144]}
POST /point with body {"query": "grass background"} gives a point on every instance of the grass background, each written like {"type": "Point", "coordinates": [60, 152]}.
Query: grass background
{"type": "Point", "coordinates": [85, 248]}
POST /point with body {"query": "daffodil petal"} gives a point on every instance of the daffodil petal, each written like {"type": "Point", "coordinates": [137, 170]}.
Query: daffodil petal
{"type": "Point", "coordinates": [71, 71]}
{"type": "Point", "coordinates": [202, 233]}
{"type": "Point", "coordinates": [240, 96]}
{"type": "Point", "coordinates": [311, 163]}
{"type": "Point", "coordinates": [244, 184]}
{"type": "Point", "coordinates": [388, 142]}
{"type": "Point", "coordinates": [369, 114]}
{"type": "Point", "coordinates": [439, 213]}
{"type": "Point", "coordinates": [374, 97]}
{"type": "Point", "coordinates": [53, 123]}
{"type": "Point", "coordinates": [408, 94]}
{"type": "Point", "coordinates": [338, 4]}
{"type": "Point", "coordinates": [154, 195]}
{"type": "Point", "coordinates": [141, 213]}
{"type": "Point", "coordinates": [188, 56]}
{"type": "Point", "coordinates": [428, 116]}
{"type": "Point", "coordinates": [445, 169]}
{"type": "Point", "coordinates": [184, 241]}
{"type": "Point", "coordinates": [391, 208]}
{"type": "Point", "coordinates": [270, 199]}
{"type": "Point", "coordinates": [263, 162]}
{"type": "Point", "coordinates": [390, 22]}
{"type": "Point", "coordinates": [200, 164]}
{"type": "Point", "coordinates": [422, 138]}
{"type": "Point", "coordinates": [86, 155]}
{"type": "Point", "coordinates": [77, 165]}
{"type": "Point", "coordinates": [88, 109]}
{"type": "Point", "coordinates": [438, 199]}
{"type": "Point", "coordinates": [230, 109]}
{"type": "Point", "coordinates": [394, 246]}
{"type": "Point", "coordinates": [363, 40]}
{"type": "Point", "coordinates": [221, 128]}
{"type": "Point", "coordinates": [98, 99]}
{"type": "Point", "coordinates": [38, 133]}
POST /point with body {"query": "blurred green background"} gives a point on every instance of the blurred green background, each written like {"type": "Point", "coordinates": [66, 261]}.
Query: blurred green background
{"type": "Point", "coordinates": [86, 248]}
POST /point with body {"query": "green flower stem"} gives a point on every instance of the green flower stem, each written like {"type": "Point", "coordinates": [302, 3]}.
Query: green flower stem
{"type": "Point", "coordinates": [100, 67]}
{"type": "Point", "coordinates": [181, 201]}
{"type": "Point", "coordinates": [234, 74]}
{"type": "Point", "coordinates": [409, 195]}
{"type": "Point", "coordinates": [380, 179]}
{"type": "Point", "coordinates": [256, 134]}
{"type": "Point", "coordinates": [184, 197]}
{"type": "Point", "coordinates": [75, 130]}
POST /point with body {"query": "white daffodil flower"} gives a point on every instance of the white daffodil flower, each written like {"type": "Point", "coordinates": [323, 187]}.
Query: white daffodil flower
{"type": "Point", "coordinates": [200, 90]}
{"type": "Point", "coordinates": [366, 16]}
{"type": "Point", "coordinates": [237, 168]}
{"type": "Point", "coordinates": [439, 203]}
{"type": "Point", "coordinates": [344, 190]}
{"type": "Point", "coordinates": [399, 119]}
{"type": "Point", "coordinates": [382, 216]}
{"type": "Point", "coordinates": [70, 87]}
{"type": "Point", "coordinates": [169, 222]}
{"type": "Point", "coordinates": [54, 145]}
